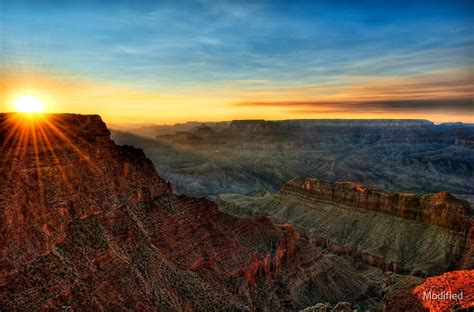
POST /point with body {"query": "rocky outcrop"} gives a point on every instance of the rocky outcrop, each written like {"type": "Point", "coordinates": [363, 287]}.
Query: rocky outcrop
{"type": "Point", "coordinates": [391, 231]}
{"type": "Point", "coordinates": [204, 131]}
{"type": "Point", "coordinates": [452, 291]}
{"type": "Point", "coordinates": [441, 209]}
{"type": "Point", "coordinates": [89, 225]}
{"type": "Point", "coordinates": [447, 292]}
{"type": "Point", "coordinates": [54, 169]}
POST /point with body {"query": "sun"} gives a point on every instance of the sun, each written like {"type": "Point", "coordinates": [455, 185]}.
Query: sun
{"type": "Point", "coordinates": [28, 104]}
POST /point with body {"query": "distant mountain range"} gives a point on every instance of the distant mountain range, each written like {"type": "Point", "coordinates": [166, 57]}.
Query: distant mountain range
{"type": "Point", "coordinates": [244, 155]}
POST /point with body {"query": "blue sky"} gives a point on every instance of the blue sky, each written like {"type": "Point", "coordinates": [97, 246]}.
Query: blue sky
{"type": "Point", "coordinates": [183, 46]}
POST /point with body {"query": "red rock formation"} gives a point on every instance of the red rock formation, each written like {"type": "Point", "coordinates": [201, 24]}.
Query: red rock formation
{"type": "Point", "coordinates": [54, 170]}
{"type": "Point", "coordinates": [91, 225]}
{"type": "Point", "coordinates": [448, 291]}
{"type": "Point", "coordinates": [441, 209]}
{"type": "Point", "coordinates": [452, 291]}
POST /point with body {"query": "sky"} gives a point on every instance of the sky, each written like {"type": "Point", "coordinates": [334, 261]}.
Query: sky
{"type": "Point", "coordinates": [174, 61]}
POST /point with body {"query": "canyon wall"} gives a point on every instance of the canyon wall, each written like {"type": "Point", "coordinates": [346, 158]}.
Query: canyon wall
{"type": "Point", "coordinates": [406, 233]}
{"type": "Point", "coordinates": [89, 225]}
{"type": "Point", "coordinates": [441, 209]}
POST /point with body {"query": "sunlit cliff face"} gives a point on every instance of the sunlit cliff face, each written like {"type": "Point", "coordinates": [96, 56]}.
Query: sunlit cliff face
{"type": "Point", "coordinates": [23, 134]}
{"type": "Point", "coordinates": [29, 127]}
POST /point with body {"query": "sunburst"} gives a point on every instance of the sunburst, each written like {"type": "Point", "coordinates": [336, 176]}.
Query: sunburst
{"type": "Point", "coordinates": [30, 142]}
{"type": "Point", "coordinates": [28, 104]}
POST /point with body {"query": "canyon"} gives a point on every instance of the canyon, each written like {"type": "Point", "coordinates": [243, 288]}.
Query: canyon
{"type": "Point", "coordinates": [88, 224]}
{"type": "Point", "coordinates": [244, 156]}
{"type": "Point", "coordinates": [401, 232]}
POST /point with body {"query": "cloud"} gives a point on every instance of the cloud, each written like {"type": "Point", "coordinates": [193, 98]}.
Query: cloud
{"type": "Point", "coordinates": [443, 91]}
{"type": "Point", "coordinates": [448, 106]}
{"type": "Point", "coordinates": [272, 59]}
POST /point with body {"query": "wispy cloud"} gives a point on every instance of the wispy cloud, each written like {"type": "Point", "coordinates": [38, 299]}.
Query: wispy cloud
{"type": "Point", "coordinates": [455, 83]}
{"type": "Point", "coordinates": [276, 56]}
{"type": "Point", "coordinates": [448, 106]}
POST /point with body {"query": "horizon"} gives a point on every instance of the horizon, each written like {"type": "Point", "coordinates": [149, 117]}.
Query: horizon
{"type": "Point", "coordinates": [293, 119]}
{"type": "Point", "coordinates": [169, 62]}
{"type": "Point", "coordinates": [127, 125]}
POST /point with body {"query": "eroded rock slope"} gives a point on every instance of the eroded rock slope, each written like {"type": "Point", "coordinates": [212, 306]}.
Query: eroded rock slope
{"type": "Point", "coordinates": [401, 232]}
{"type": "Point", "coordinates": [90, 225]}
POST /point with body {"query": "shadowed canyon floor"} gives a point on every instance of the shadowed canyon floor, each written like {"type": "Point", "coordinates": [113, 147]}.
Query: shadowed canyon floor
{"type": "Point", "coordinates": [90, 225]}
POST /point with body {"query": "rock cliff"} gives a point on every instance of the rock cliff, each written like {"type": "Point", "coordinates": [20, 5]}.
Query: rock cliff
{"type": "Point", "coordinates": [90, 225]}
{"type": "Point", "coordinates": [401, 232]}
{"type": "Point", "coordinates": [441, 209]}
{"type": "Point", "coordinates": [55, 169]}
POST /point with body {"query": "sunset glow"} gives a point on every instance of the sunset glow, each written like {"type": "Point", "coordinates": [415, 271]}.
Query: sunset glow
{"type": "Point", "coordinates": [175, 62]}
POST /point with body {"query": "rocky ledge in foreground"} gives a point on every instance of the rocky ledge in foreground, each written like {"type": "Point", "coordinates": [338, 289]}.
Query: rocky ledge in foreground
{"type": "Point", "coordinates": [89, 225]}
{"type": "Point", "coordinates": [401, 232]}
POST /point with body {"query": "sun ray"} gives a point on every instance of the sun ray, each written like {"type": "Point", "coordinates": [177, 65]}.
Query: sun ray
{"type": "Point", "coordinates": [49, 147]}
{"type": "Point", "coordinates": [23, 131]}
{"type": "Point", "coordinates": [38, 167]}
{"type": "Point", "coordinates": [54, 126]}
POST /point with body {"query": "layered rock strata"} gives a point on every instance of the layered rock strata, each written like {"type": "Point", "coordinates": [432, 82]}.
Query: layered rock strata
{"type": "Point", "coordinates": [89, 225]}
{"type": "Point", "coordinates": [419, 234]}
{"type": "Point", "coordinates": [441, 209]}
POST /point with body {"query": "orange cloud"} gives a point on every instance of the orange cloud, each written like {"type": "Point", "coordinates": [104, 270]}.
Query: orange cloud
{"type": "Point", "coordinates": [439, 96]}
{"type": "Point", "coordinates": [442, 96]}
